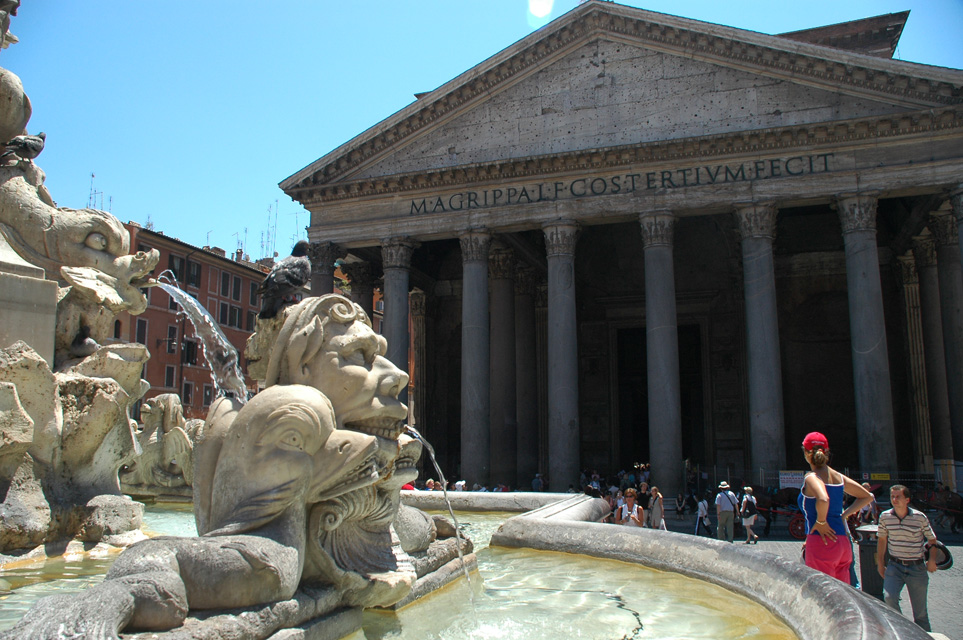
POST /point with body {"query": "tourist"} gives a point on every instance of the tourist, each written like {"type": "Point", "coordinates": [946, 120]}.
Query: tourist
{"type": "Point", "coordinates": [903, 532]}
{"type": "Point", "coordinates": [725, 512]}
{"type": "Point", "coordinates": [631, 514]}
{"type": "Point", "coordinates": [679, 506]}
{"type": "Point", "coordinates": [702, 514]}
{"type": "Point", "coordinates": [870, 513]}
{"type": "Point", "coordinates": [656, 510]}
{"type": "Point", "coordinates": [821, 501]}
{"type": "Point", "coordinates": [537, 484]}
{"type": "Point", "coordinates": [644, 496]}
{"type": "Point", "coordinates": [748, 513]}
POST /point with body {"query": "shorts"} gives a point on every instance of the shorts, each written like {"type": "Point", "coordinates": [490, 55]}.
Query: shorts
{"type": "Point", "coordinates": [833, 559]}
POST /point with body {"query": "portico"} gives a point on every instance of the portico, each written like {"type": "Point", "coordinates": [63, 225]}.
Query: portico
{"type": "Point", "coordinates": [715, 217]}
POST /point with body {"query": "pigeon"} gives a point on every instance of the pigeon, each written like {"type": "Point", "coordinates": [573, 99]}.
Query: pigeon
{"type": "Point", "coordinates": [83, 345]}
{"type": "Point", "coordinates": [285, 280]}
{"type": "Point", "coordinates": [25, 147]}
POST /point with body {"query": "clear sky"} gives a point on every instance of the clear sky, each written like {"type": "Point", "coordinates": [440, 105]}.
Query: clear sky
{"type": "Point", "coordinates": [189, 114]}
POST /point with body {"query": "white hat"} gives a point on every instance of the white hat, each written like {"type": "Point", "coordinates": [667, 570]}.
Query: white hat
{"type": "Point", "coordinates": [723, 485]}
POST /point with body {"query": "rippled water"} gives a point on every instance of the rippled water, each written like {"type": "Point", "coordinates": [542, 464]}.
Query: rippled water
{"type": "Point", "coordinates": [522, 594]}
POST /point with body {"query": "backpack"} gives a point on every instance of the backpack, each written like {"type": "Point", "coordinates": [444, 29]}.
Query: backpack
{"type": "Point", "coordinates": [750, 509]}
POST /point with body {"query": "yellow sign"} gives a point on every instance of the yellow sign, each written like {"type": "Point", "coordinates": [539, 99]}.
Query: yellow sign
{"type": "Point", "coordinates": [879, 476]}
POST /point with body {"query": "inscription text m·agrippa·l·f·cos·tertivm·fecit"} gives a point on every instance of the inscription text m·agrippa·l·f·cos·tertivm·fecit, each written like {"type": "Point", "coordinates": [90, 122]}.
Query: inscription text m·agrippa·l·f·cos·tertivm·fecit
{"type": "Point", "coordinates": [625, 183]}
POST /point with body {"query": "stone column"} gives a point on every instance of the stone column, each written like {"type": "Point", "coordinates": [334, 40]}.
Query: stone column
{"type": "Point", "coordinates": [944, 228]}
{"type": "Point", "coordinates": [757, 226]}
{"type": "Point", "coordinates": [526, 381]}
{"type": "Point", "coordinates": [931, 326]}
{"type": "Point", "coordinates": [323, 255]}
{"type": "Point", "coordinates": [416, 406]}
{"type": "Point", "coordinates": [362, 277]}
{"type": "Point", "coordinates": [475, 362]}
{"type": "Point", "coordinates": [662, 353]}
{"type": "Point", "coordinates": [874, 400]}
{"type": "Point", "coordinates": [563, 424]}
{"type": "Point", "coordinates": [396, 260]}
{"type": "Point", "coordinates": [541, 376]}
{"type": "Point", "coordinates": [501, 264]}
{"type": "Point", "coordinates": [916, 358]}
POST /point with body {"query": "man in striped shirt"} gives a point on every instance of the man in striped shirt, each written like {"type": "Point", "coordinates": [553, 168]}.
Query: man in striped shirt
{"type": "Point", "coordinates": [903, 532]}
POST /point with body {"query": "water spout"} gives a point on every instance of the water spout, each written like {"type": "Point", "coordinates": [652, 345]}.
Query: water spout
{"type": "Point", "coordinates": [414, 433]}
{"type": "Point", "coordinates": [221, 356]}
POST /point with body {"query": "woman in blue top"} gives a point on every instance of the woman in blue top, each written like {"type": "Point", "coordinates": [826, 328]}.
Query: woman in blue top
{"type": "Point", "coordinates": [821, 500]}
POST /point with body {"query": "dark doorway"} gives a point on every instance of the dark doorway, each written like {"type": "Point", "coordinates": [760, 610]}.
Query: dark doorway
{"type": "Point", "coordinates": [633, 443]}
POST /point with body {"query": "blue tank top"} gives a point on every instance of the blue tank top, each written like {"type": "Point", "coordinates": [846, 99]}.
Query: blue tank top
{"type": "Point", "coordinates": [834, 518]}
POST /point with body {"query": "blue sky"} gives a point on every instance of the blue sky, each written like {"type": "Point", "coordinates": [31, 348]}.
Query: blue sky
{"type": "Point", "coordinates": [189, 114]}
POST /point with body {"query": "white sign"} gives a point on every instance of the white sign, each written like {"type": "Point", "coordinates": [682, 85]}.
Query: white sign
{"type": "Point", "coordinates": [792, 479]}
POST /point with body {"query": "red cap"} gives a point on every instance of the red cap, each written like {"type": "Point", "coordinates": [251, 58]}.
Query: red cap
{"type": "Point", "coordinates": [815, 439]}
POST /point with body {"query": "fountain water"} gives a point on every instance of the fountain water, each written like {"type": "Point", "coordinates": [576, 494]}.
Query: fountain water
{"type": "Point", "coordinates": [220, 353]}
{"type": "Point", "coordinates": [444, 488]}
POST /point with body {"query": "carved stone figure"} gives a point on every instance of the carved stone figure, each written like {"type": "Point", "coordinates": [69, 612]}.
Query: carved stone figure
{"type": "Point", "coordinates": [327, 342]}
{"type": "Point", "coordinates": [279, 455]}
{"type": "Point", "coordinates": [165, 466]}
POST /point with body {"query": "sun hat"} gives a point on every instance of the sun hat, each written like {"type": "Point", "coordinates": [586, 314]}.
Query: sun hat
{"type": "Point", "coordinates": [723, 485]}
{"type": "Point", "coordinates": [815, 439]}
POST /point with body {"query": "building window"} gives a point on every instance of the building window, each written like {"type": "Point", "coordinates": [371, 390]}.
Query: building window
{"type": "Point", "coordinates": [235, 319]}
{"type": "Point", "coordinates": [141, 333]}
{"type": "Point", "coordinates": [251, 320]}
{"type": "Point", "coordinates": [212, 282]}
{"type": "Point", "coordinates": [222, 316]}
{"type": "Point", "coordinates": [143, 247]}
{"type": "Point", "coordinates": [189, 352]}
{"type": "Point", "coordinates": [176, 264]}
{"type": "Point", "coordinates": [169, 376]}
{"type": "Point", "coordinates": [171, 303]}
{"type": "Point", "coordinates": [117, 329]}
{"type": "Point", "coordinates": [236, 291]}
{"type": "Point", "coordinates": [187, 398]}
{"type": "Point", "coordinates": [194, 274]}
{"type": "Point", "coordinates": [225, 283]}
{"type": "Point", "coordinates": [171, 339]}
{"type": "Point", "coordinates": [380, 306]}
{"type": "Point", "coordinates": [253, 294]}
{"type": "Point", "coordinates": [208, 395]}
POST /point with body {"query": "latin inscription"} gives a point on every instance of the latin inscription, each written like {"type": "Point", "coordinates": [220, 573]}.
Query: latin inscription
{"type": "Point", "coordinates": [625, 184]}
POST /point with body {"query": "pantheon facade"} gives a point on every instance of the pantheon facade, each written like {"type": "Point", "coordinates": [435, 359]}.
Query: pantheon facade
{"type": "Point", "coordinates": [636, 237]}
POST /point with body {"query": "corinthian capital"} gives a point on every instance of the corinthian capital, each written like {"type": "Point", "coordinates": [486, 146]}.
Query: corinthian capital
{"type": "Point", "coordinates": [924, 250]}
{"type": "Point", "coordinates": [857, 211]}
{"type": "Point", "coordinates": [657, 228]}
{"type": "Point", "coordinates": [956, 202]}
{"type": "Point", "coordinates": [323, 256]}
{"type": "Point", "coordinates": [501, 264]}
{"type": "Point", "coordinates": [944, 228]}
{"type": "Point", "coordinates": [560, 237]}
{"type": "Point", "coordinates": [396, 252]}
{"type": "Point", "coordinates": [907, 270]}
{"type": "Point", "coordinates": [360, 273]}
{"type": "Point", "coordinates": [756, 219]}
{"type": "Point", "coordinates": [474, 245]}
{"type": "Point", "coordinates": [524, 281]}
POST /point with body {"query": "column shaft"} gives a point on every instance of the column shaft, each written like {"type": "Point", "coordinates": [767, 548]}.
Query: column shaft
{"type": "Point", "coordinates": [475, 372]}
{"type": "Point", "coordinates": [503, 404]}
{"type": "Point", "coordinates": [874, 400]}
{"type": "Point", "coordinates": [563, 419]}
{"type": "Point", "coordinates": [931, 326]}
{"type": "Point", "coordinates": [323, 255]}
{"type": "Point", "coordinates": [362, 278]}
{"type": "Point", "coordinates": [526, 383]}
{"type": "Point", "coordinates": [757, 225]}
{"type": "Point", "coordinates": [662, 354]}
{"type": "Point", "coordinates": [944, 228]}
{"type": "Point", "coordinates": [396, 257]}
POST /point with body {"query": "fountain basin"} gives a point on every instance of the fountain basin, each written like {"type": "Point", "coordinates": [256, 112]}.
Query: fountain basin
{"type": "Point", "coordinates": [813, 605]}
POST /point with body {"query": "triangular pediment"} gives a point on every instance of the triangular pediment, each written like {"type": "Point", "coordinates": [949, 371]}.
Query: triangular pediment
{"type": "Point", "coordinates": [607, 76]}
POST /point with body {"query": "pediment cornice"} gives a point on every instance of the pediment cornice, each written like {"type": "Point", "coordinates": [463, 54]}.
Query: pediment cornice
{"type": "Point", "coordinates": [762, 142]}
{"type": "Point", "coordinates": [911, 85]}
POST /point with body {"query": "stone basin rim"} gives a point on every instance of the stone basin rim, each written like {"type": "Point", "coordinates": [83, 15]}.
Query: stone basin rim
{"type": "Point", "coordinates": [813, 605]}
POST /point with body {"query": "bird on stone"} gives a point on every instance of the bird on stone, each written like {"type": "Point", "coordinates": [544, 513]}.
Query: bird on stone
{"type": "Point", "coordinates": [285, 280]}
{"type": "Point", "coordinates": [83, 345]}
{"type": "Point", "coordinates": [25, 147]}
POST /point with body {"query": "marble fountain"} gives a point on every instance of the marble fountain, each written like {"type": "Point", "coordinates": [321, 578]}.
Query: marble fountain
{"type": "Point", "coordinates": [299, 527]}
